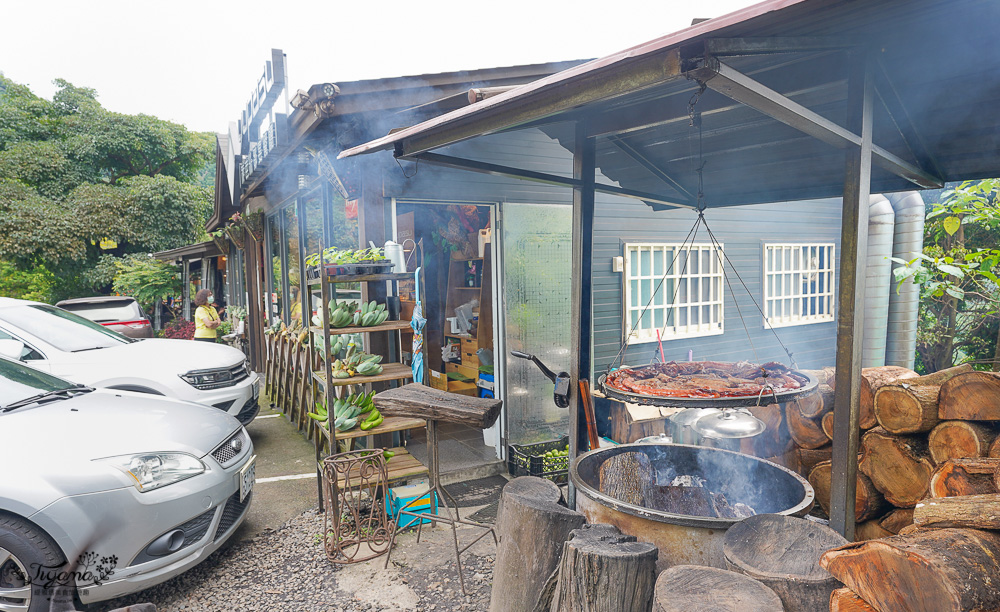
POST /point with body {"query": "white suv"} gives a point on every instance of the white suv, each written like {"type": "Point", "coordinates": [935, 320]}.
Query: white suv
{"type": "Point", "coordinates": [67, 345]}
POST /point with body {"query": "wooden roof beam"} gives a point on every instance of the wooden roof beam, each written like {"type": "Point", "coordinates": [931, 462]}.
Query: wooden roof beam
{"type": "Point", "coordinates": [730, 82]}
{"type": "Point", "coordinates": [720, 47]}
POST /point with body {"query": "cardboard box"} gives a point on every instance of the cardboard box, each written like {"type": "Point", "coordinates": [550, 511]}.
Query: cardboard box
{"type": "Point", "coordinates": [438, 380]}
{"type": "Point", "coordinates": [414, 498]}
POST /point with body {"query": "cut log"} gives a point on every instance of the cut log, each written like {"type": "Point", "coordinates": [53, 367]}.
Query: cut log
{"type": "Point", "coordinates": [789, 459]}
{"type": "Point", "coordinates": [782, 553]}
{"type": "Point", "coordinates": [955, 477]}
{"type": "Point", "coordinates": [975, 511]}
{"type": "Point", "coordinates": [871, 529]}
{"type": "Point", "coordinates": [806, 431]}
{"type": "Point", "coordinates": [908, 530]}
{"type": "Point", "coordinates": [846, 600]}
{"type": "Point", "coordinates": [624, 476]}
{"type": "Point", "coordinates": [869, 502]}
{"type": "Point", "coordinates": [995, 448]}
{"type": "Point", "coordinates": [774, 440]}
{"type": "Point", "coordinates": [810, 457]}
{"type": "Point", "coordinates": [897, 520]}
{"type": "Point", "coordinates": [423, 402]}
{"type": "Point", "coordinates": [973, 396]}
{"type": "Point", "coordinates": [899, 466]}
{"type": "Point", "coordinates": [903, 408]}
{"type": "Point", "coordinates": [694, 588]}
{"type": "Point", "coordinates": [960, 439]}
{"type": "Point", "coordinates": [828, 425]}
{"type": "Point", "coordinates": [532, 526]}
{"type": "Point", "coordinates": [872, 379]}
{"type": "Point", "coordinates": [826, 376]}
{"type": "Point", "coordinates": [604, 570]}
{"type": "Point", "coordinates": [816, 404]}
{"type": "Point", "coordinates": [934, 570]}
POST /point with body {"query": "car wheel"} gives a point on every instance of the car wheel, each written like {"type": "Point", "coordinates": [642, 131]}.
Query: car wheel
{"type": "Point", "coordinates": [24, 549]}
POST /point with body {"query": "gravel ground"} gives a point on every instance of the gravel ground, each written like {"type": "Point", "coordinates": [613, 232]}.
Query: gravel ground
{"type": "Point", "coordinates": [286, 569]}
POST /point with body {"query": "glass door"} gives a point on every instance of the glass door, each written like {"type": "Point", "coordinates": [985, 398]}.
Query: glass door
{"type": "Point", "coordinates": [537, 248]}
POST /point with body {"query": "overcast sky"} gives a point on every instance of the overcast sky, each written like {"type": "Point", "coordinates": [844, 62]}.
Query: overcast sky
{"type": "Point", "coordinates": [196, 62]}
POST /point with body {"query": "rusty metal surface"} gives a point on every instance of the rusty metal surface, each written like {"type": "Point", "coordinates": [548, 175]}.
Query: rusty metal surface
{"type": "Point", "coordinates": [356, 526]}
{"type": "Point", "coordinates": [711, 402]}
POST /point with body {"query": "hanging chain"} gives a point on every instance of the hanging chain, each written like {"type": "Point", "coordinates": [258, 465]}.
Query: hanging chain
{"type": "Point", "coordinates": [694, 116]}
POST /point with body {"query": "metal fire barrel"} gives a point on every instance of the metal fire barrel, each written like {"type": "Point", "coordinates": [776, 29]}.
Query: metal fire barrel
{"type": "Point", "coordinates": [686, 539]}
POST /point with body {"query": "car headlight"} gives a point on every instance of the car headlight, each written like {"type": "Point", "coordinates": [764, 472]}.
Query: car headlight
{"type": "Point", "coordinates": [154, 470]}
{"type": "Point", "coordinates": [209, 379]}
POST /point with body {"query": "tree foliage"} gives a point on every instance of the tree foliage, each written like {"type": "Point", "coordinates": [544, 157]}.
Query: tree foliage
{"type": "Point", "coordinates": [73, 173]}
{"type": "Point", "coordinates": [146, 279]}
{"type": "Point", "coordinates": [958, 276]}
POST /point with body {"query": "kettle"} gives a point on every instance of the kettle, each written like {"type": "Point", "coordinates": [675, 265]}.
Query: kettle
{"type": "Point", "coordinates": [394, 253]}
{"type": "Point", "coordinates": [681, 425]}
{"type": "Point", "coordinates": [726, 428]}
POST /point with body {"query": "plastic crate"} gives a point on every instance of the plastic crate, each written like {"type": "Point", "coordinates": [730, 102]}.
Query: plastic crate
{"type": "Point", "coordinates": [529, 460]}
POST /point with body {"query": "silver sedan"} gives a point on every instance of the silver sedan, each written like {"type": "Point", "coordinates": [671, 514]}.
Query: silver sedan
{"type": "Point", "coordinates": [110, 492]}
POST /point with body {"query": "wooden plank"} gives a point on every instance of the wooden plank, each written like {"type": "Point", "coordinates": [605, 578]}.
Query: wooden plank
{"type": "Point", "coordinates": [402, 466]}
{"type": "Point", "coordinates": [416, 400]}
{"type": "Point", "coordinates": [390, 371]}
{"type": "Point", "coordinates": [389, 425]}
{"type": "Point", "coordinates": [361, 278]}
{"type": "Point", "coordinates": [387, 326]}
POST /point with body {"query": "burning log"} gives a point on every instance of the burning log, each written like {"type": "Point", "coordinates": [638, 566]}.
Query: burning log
{"type": "Point", "coordinates": [911, 405]}
{"type": "Point", "coordinates": [899, 466]}
{"type": "Point", "coordinates": [869, 502]}
{"type": "Point", "coordinates": [959, 439]}
{"type": "Point", "coordinates": [694, 588]}
{"type": "Point", "coordinates": [601, 555]}
{"type": "Point", "coordinates": [975, 511]}
{"type": "Point", "coordinates": [973, 396]}
{"type": "Point", "coordinates": [936, 570]}
{"type": "Point", "coordinates": [897, 520]}
{"type": "Point", "coordinates": [872, 379]}
{"type": "Point", "coordinates": [782, 553]}
{"type": "Point", "coordinates": [846, 600]}
{"type": "Point", "coordinates": [956, 477]}
{"type": "Point", "coordinates": [806, 431]}
{"type": "Point", "coordinates": [532, 526]}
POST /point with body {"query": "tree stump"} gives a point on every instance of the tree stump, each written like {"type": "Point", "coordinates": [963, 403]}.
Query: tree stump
{"type": "Point", "coordinates": [933, 570]}
{"type": "Point", "coordinates": [603, 570]}
{"type": "Point", "coordinates": [973, 396]}
{"type": "Point", "coordinates": [532, 526]}
{"type": "Point", "coordinates": [975, 511]}
{"type": "Point", "coordinates": [806, 431]}
{"type": "Point", "coordinates": [899, 466]}
{"type": "Point", "coordinates": [624, 476]}
{"type": "Point", "coordinates": [897, 520]}
{"type": "Point", "coordinates": [846, 600]}
{"type": "Point", "coordinates": [694, 588]}
{"type": "Point", "coordinates": [810, 457]}
{"type": "Point", "coordinates": [871, 380]}
{"type": "Point", "coordinates": [869, 501]}
{"type": "Point", "coordinates": [955, 477]}
{"type": "Point", "coordinates": [960, 439]}
{"type": "Point", "coordinates": [782, 553]}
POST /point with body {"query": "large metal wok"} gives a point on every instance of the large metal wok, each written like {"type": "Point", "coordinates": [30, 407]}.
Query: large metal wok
{"type": "Point", "coordinates": [767, 397]}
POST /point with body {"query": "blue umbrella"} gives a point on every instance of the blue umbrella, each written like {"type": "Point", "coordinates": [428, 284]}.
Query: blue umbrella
{"type": "Point", "coordinates": [417, 323]}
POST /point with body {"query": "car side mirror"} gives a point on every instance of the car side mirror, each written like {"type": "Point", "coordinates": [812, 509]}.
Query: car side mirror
{"type": "Point", "coordinates": [12, 348]}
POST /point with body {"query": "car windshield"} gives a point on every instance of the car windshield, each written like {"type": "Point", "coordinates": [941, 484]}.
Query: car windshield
{"type": "Point", "coordinates": [64, 330]}
{"type": "Point", "coordinates": [106, 312]}
{"type": "Point", "coordinates": [18, 381]}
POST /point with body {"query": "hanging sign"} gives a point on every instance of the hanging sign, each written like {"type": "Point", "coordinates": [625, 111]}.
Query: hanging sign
{"type": "Point", "coordinates": [108, 244]}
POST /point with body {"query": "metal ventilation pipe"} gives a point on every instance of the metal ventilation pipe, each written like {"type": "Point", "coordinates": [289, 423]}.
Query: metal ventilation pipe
{"type": "Point", "coordinates": [878, 270]}
{"type": "Point", "coordinates": [907, 243]}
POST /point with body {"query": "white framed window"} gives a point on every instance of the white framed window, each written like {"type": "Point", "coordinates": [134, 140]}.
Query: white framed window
{"type": "Point", "coordinates": [798, 283]}
{"type": "Point", "coordinates": [682, 287]}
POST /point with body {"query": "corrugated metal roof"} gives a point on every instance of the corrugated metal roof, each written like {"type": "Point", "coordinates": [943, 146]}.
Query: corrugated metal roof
{"type": "Point", "coordinates": [938, 67]}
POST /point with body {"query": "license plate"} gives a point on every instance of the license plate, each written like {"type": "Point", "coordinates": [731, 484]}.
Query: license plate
{"type": "Point", "coordinates": [247, 477]}
{"type": "Point", "coordinates": [256, 389]}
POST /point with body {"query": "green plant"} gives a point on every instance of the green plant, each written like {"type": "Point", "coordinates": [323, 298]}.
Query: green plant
{"type": "Point", "coordinates": [146, 279]}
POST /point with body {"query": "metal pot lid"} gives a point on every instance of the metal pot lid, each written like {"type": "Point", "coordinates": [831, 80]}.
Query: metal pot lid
{"type": "Point", "coordinates": [729, 424]}
{"type": "Point", "coordinates": [689, 416]}
{"type": "Point", "coordinates": [660, 439]}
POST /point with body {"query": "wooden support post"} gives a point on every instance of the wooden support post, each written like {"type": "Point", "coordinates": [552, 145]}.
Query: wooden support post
{"type": "Point", "coordinates": [851, 297]}
{"type": "Point", "coordinates": [584, 169]}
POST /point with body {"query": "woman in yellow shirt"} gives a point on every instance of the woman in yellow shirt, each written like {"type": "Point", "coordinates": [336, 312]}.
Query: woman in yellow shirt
{"type": "Point", "coordinates": [206, 318]}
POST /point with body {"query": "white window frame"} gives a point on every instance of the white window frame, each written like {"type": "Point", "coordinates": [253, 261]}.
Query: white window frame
{"type": "Point", "coordinates": [714, 305]}
{"type": "Point", "coordinates": [785, 291]}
